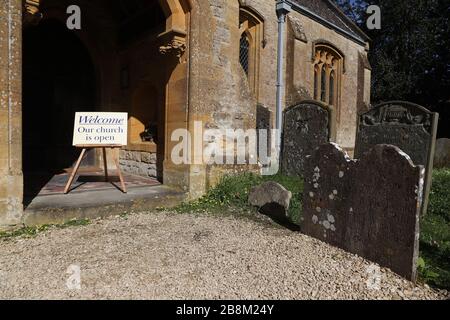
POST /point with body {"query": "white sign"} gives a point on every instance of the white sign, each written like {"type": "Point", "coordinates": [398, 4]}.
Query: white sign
{"type": "Point", "coordinates": [100, 128]}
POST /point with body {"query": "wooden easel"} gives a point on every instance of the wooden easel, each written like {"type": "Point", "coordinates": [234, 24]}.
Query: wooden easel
{"type": "Point", "coordinates": [105, 163]}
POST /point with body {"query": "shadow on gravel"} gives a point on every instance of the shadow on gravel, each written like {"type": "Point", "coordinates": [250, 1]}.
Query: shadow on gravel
{"type": "Point", "coordinates": [278, 214]}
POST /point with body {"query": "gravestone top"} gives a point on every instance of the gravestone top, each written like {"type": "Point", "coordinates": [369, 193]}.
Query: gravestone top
{"type": "Point", "coordinates": [307, 125]}
{"type": "Point", "coordinates": [408, 126]}
{"type": "Point", "coordinates": [398, 113]}
{"type": "Point", "coordinates": [369, 206]}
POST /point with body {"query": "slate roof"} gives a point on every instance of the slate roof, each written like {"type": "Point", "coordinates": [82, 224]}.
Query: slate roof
{"type": "Point", "coordinates": [329, 11]}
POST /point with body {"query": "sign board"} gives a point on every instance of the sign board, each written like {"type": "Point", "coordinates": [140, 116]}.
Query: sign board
{"type": "Point", "coordinates": [100, 128]}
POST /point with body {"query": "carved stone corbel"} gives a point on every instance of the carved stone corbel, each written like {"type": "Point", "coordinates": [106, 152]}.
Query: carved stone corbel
{"type": "Point", "coordinates": [173, 43]}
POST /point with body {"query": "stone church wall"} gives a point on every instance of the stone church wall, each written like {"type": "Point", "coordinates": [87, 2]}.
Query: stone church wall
{"type": "Point", "coordinates": [206, 84]}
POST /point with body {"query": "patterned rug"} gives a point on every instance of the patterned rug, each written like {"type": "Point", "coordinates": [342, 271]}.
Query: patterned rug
{"type": "Point", "coordinates": [87, 179]}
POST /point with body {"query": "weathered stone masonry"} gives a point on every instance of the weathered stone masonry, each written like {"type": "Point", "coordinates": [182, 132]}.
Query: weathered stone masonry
{"type": "Point", "coordinates": [139, 163]}
{"type": "Point", "coordinates": [10, 112]}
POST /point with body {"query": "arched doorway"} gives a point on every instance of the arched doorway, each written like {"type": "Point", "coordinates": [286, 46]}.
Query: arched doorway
{"type": "Point", "coordinates": [129, 56]}
{"type": "Point", "coordinates": [58, 80]}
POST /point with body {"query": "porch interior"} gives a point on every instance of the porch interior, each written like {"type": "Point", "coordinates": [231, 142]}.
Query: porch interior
{"type": "Point", "coordinates": [93, 196]}
{"type": "Point", "coordinates": [112, 64]}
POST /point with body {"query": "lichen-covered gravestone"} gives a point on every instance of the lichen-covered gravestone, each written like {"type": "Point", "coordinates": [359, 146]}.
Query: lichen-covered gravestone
{"type": "Point", "coordinates": [369, 207]}
{"type": "Point", "coordinates": [306, 126]}
{"type": "Point", "coordinates": [326, 192]}
{"type": "Point", "coordinates": [408, 126]}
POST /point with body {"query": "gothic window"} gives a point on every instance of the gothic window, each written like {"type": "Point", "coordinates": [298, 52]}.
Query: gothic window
{"type": "Point", "coordinates": [251, 28]}
{"type": "Point", "coordinates": [244, 53]}
{"type": "Point", "coordinates": [316, 80]}
{"type": "Point", "coordinates": [331, 86]}
{"type": "Point", "coordinates": [323, 85]}
{"type": "Point", "coordinates": [328, 68]}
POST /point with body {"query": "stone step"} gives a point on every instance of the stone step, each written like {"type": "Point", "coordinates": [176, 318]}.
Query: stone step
{"type": "Point", "coordinates": [59, 209]}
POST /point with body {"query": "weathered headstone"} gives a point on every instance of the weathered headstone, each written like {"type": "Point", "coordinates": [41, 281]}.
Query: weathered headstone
{"type": "Point", "coordinates": [326, 192]}
{"type": "Point", "coordinates": [306, 126]}
{"type": "Point", "coordinates": [408, 126]}
{"type": "Point", "coordinates": [369, 207]}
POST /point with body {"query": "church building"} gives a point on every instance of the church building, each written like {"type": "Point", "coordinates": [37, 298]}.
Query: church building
{"type": "Point", "coordinates": [169, 64]}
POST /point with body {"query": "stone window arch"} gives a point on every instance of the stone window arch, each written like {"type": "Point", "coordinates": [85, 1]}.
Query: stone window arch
{"type": "Point", "coordinates": [251, 40]}
{"type": "Point", "coordinates": [328, 66]}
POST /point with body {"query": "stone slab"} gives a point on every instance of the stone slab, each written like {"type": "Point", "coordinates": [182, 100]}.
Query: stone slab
{"type": "Point", "coordinates": [370, 207]}
{"type": "Point", "coordinates": [408, 126]}
{"type": "Point", "coordinates": [306, 126]}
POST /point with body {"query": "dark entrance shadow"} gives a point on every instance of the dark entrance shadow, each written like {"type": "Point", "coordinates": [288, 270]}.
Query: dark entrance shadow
{"type": "Point", "coordinates": [34, 182]}
{"type": "Point", "coordinates": [58, 80]}
{"type": "Point", "coordinates": [278, 214]}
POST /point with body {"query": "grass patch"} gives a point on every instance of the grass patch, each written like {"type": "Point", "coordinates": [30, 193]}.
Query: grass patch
{"type": "Point", "coordinates": [439, 204]}
{"type": "Point", "coordinates": [232, 193]}
{"type": "Point", "coordinates": [434, 262]}
{"type": "Point", "coordinates": [30, 232]}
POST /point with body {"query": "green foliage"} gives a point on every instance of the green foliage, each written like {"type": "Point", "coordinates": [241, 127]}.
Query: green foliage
{"type": "Point", "coordinates": [434, 266]}
{"type": "Point", "coordinates": [29, 232]}
{"type": "Point", "coordinates": [354, 9]}
{"type": "Point", "coordinates": [440, 194]}
{"type": "Point", "coordinates": [231, 190]}
{"type": "Point", "coordinates": [232, 193]}
{"type": "Point", "coordinates": [426, 272]}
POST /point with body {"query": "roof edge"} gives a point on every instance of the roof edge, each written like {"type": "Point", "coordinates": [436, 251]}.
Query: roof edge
{"type": "Point", "coordinates": [352, 23]}
{"type": "Point", "coordinates": [363, 39]}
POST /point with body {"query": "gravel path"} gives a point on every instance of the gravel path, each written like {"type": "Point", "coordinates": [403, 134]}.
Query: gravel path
{"type": "Point", "coordinates": [165, 256]}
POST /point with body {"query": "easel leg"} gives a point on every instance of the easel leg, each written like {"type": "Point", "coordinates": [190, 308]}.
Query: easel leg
{"type": "Point", "coordinates": [105, 164]}
{"type": "Point", "coordinates": [122, 182]}
{"type": "Point", "coordinates": [74, 171]}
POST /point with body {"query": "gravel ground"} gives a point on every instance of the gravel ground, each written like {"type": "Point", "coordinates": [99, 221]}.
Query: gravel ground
{"type": "Point", "coordinates": [171, 256]}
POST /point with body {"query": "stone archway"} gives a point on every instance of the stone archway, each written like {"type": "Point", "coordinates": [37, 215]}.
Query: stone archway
{"type": "Point", "coordinates": [14, 15]}
{"type": "Point", "coordinates": [173, 46]}
{"type": "Point", "coordinates": [173, 39]}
